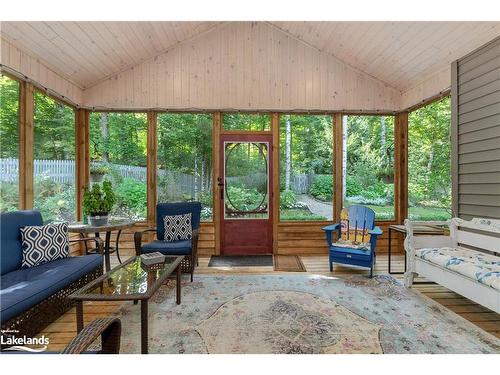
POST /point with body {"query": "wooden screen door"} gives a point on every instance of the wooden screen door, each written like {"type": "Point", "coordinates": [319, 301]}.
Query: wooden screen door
{"type": "Point", "coordinates": [245, 191]}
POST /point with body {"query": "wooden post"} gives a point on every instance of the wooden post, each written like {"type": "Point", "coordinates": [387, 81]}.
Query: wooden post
{"type": "Point", "coordinates": [337, 167]}
{"type": "Point", "coordinates": [82, 159]}
{"type": "Point", "coordinates": [26, 119]}
{"type": "Point", "coordinates": [151, 167]}
{"type": "Point", "coordinates": [275, 188]}
{"type": "Point", "coordinates": [217, 125]}
{"type": "Point", "coordinates": [454, 139]}
{"type": "Point", "coordinates": [401, 166]}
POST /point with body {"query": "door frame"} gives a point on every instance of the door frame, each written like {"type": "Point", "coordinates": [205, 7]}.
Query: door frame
{"type": "Point", "coordinates": [246, 136]}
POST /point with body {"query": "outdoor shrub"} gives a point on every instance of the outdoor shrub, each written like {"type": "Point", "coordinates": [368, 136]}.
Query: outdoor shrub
{"type": "Point", "coordinates": [244, 199]}
{"type": "Point", "coordinates": [287, 199]}
{"type": "Point", "coordinates": [322, 187]}
{"type": "Point", "coordinates": [9, 196]}
{"type": "Point", "coordinates": [58, 207]}
{"type": "Point", "coordinates": [353, 186]}
{"type": "Point", "coordinates": [132, 196]}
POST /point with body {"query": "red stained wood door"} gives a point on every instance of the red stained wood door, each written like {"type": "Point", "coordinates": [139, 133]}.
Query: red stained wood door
{"type": "Point", "coordinates": [246, 197]}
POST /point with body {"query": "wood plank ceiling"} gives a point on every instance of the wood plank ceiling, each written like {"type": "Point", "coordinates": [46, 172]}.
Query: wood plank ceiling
{"type": "Point", "coordinates": [400, 54]}
{"type": "Point", "coordinates": [88, 52]}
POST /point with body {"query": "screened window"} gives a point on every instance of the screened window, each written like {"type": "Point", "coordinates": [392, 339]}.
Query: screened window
{"type": "Point", "coordinates": [306, 165]}
{"type": "Point", "coordinates": [54, 159]}
{"type": "Point", "coordinates": [9, 144]}
{"type": "Point", "coordinates": [429, 179]}
{"type": "Point", "coordinates": [249, 122]}
{"type": "Point", "coordinates": [118, 149]}
{"type": "Point", "coordinates": [368, 163]}
{"type": "Point", "coordinates": [184, 160]}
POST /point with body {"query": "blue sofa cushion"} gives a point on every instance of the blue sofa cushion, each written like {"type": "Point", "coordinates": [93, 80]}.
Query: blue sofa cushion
{"type": "Point", "coordinates": [24, 288]}
{"type": "Point", "coordinates": [168, 248]}
{"type": "Point", "coordinates": [11, 253]}
{"type": "Point", "coordinates": [180, 208]}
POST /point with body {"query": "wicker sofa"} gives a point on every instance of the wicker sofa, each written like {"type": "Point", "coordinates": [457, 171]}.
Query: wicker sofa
{"type": "Point", "coordinates": [32, 298]}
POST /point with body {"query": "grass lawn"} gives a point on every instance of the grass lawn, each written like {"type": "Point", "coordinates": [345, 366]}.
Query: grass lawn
{"type": "Point", "coordinates": [381, 213]}
{"type": "Point", "coordinates": [414, 213]}
{"type": "Point", "coordinates": [290, 214]}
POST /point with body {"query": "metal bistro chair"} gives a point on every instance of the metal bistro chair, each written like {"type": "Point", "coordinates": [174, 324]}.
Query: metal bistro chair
{"type": "Point", "coordinates": [188, 248]}
{"type": "Point", "coordinates": [356, 238]}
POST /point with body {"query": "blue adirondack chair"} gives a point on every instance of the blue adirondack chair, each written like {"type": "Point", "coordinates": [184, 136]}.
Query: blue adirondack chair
{"type": "Point", "coordinates": [356, 238]}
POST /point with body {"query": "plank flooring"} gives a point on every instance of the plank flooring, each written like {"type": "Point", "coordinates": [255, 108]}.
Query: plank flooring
{"type": "Point", "coordinates": [64, 329]}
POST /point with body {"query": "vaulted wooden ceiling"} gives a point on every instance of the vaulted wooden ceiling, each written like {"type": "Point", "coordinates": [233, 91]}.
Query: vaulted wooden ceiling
{"type": "Point", "coordinates": [400, 54]}
{"type": "Point", "coordinates": [88, 52]}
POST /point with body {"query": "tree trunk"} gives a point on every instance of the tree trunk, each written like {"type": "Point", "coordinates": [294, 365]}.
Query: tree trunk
{"type": "Point", "coordinates": [196, 179]}
{"type": "Point", "coordinates": [344, 156]}
{"type": "Point", "coordinates": [382, 135]}
{"type": "Point", "coordinates": [103, 122]}
{"type": "Point", "coordinates": [288, 153]}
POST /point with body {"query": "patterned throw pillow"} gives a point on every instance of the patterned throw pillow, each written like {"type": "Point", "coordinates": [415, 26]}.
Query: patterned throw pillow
{"type": "Point", "coordinates": [178, 227]}
{"type": "Point", "coordinates": [42, 244]}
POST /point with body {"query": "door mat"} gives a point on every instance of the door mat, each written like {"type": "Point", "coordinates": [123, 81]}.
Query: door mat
{"type": "Point", "coordinates": [288, 263]}
{"type": "Point", "coordinates": [241, 261]}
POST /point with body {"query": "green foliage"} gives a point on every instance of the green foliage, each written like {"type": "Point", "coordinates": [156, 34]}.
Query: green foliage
{"type": "Point", "coordinates": [9, 117]}
{"type": "Point", "coordinates": [288, 199]}
{"type": "Point", "coordinates": [100, 169]}
{"type": "Point", "coordinates": [311, 144]}
{"type": "Point", "coordinates": [9, 196]}
{"type": "Point", "coordinates": [131, 197]}
{"type": "Point", "coordinates": [54, 129]}
{"type": "Point", "coordinates": [55, 201]}
{"type": "Point", "coordinates": [353, 186]}
{"type": "Point", "coordinates": [118, 138]}
{"type": "Point", "coordinates": [322, 187]}
{"type": "Point", "coordinates": [239, 121]}
{"type": "Point", "coordinates": [244, 199]}
{"type": "Point", "coordinates": [99, 200]}
{"type": "Point", "coordinates": [299, 214]}
{"type": "Point", "coordinates": [429, 180]}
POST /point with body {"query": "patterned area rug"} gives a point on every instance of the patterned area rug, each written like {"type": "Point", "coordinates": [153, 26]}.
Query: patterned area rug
{"type": "Point", "coordinates": [300, 314]}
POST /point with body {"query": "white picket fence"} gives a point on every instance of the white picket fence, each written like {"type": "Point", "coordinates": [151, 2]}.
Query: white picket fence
{"type": "Point", "coordinates": [178, 184]}
{"type": "Point", "coordinates": [63, 172]}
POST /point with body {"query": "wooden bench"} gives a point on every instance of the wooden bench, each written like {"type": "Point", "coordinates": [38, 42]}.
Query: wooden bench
{"type": "Point", "coordinates": [466, 261]}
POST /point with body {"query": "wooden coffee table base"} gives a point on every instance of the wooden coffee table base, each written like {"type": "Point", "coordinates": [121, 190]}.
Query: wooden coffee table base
{"type": "Point", "coordinates": [144, 312]}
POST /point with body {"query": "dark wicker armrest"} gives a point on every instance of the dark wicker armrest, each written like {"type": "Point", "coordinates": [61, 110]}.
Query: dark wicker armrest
{"type": "Point", "coordinates": [138, 239]}
{"type": "Point", "coordinates": [108, 328]}
{"type": "Point", "coordinates": [99, 242]}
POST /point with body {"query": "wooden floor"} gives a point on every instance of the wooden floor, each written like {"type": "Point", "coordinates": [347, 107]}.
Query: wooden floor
{"type": "Point", "coordinates": [64, 329]}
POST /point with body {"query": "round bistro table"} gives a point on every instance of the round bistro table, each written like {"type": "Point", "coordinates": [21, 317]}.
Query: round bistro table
{"type": "Point", "coordinates": [112, 225]}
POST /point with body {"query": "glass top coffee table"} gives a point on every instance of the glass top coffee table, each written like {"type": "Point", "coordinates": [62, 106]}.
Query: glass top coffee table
{"type": "Point", "coordinates": [130, 281]}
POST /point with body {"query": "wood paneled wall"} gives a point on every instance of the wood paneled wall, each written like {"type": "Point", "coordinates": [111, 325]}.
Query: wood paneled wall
{"type": "Point", "coordinates": [244, 66]}
{"type": "Point", "coordinates": [307, 238]}
{"type": "Point", "coordinates": [26, 66]}
{"type": "Point", "coordinates": [429, 88]}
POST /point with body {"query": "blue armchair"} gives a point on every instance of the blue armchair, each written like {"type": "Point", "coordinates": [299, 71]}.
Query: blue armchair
{"type": "Point", "coordinates": [189, 248]}
{"type": "Point", "coordinates": [356, 238]}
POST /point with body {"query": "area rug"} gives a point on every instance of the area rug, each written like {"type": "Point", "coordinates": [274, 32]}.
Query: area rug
{"type": "Point", "coordinates": [241, 261]}
{"type": "Point", "coordinates": [300, 314]}
{"type": "Point", "coordinates": [288, 263]}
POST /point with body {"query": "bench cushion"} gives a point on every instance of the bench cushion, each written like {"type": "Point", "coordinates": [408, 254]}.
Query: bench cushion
{"type": "Point", "coordinates": [11, 252]}
{"type": "Point", "coordinates": [22, 289]}
{"type": "Point", "coordinates": [168, 248]}
{"type": "Point", "coordinates": [484, 268]}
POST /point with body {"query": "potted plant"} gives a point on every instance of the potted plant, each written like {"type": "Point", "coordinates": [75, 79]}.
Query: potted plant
{"type": "Point", "coordinates": [97, 202]}
{"type": "Point", "coordinates": [97, 173]}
